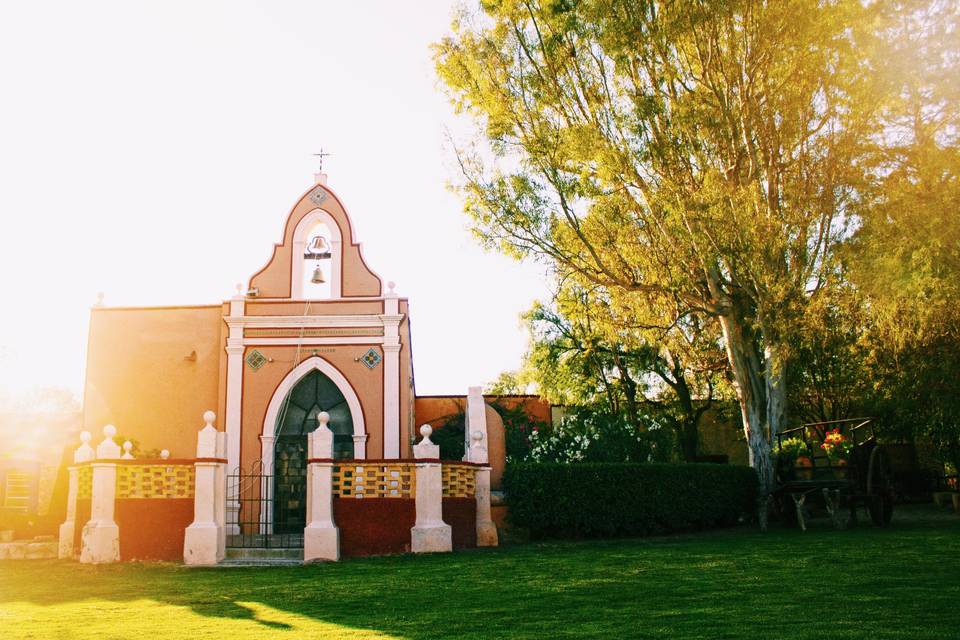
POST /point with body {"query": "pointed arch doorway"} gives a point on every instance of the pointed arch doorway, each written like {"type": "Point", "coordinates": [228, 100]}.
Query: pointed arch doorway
{"type": "Point", "coordinates": [312, 386]}
{"type": "Point", "coordinates": [314, 393]}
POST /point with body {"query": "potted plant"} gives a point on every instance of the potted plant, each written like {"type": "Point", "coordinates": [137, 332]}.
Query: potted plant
{"type": "Point", "coordinates": [837, 447]}
{"type": "Point", "coordinates": [793, 459]}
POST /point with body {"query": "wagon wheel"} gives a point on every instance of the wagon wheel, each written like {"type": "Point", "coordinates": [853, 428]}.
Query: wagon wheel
{"type": "Point", "coordinates": [879, 487]}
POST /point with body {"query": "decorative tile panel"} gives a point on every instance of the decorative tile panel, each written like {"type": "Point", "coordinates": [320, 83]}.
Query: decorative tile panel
{"type": "Point", "coordinates": [318, 195]}
{"type": "Point", "coordinates": [255, 359]}
{"type": "Point", "coordinates": [371, 358]}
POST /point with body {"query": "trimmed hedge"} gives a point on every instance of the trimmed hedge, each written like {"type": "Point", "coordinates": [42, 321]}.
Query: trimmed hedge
{"type": "Point", "coordinates": [552, 500]}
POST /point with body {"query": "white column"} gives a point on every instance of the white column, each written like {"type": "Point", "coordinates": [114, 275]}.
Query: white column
{"type": "Point", "coordinates": [391, 373]}
{"type": "Point", "coordinates": [266, 486]}
{"type": "Point", "coordinates": [84, 453]}
{"type": "Point", "coordinates": [100, 541]}
{"type": "Point", "coordinates": [360, 446]}
{"type": "Point", "coordinates": [336, 265]}
{"type": "Point", "coordinates": [478, 453]}
{"type": "Point", "coordinates": [201, 539]}
{"type": "Point", "coordinates": [430, 533]}
{"type": "Point", "coordinates": [297, 268]}
{"type": "Point", "coordinates": [321, 538]}
{"type": "Point", "coordinates": [234, 395]}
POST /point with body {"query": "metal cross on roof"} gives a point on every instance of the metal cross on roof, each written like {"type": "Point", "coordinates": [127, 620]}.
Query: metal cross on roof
{"type": "Point", "coordinates": [323, 154]}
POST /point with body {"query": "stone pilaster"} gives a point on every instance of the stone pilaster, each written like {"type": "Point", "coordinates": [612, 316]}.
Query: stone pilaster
{"type": "Point", "coordinates": [235, 351]}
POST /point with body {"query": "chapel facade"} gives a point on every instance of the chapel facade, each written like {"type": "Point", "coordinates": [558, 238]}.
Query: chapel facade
{"type": "Point", "coordinates": [315, 330]}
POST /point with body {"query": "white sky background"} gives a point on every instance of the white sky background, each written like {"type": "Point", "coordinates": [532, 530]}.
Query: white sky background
{"type": "Point", "coordinates": [152, 150]}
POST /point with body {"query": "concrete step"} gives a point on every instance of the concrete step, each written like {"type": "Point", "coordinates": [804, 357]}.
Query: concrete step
{"type": "Point", "coordinates": [263, 557]}
{"type": "Point", "coordinates": [36, 549]}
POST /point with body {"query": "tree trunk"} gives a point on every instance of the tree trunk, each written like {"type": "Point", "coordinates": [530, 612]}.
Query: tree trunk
{"type": "Point", "coordinates": [689, 438]}
{"type": "Point", "coordinates": [761, 391]}
{"type": "Point", "coordinates": [629, 393]}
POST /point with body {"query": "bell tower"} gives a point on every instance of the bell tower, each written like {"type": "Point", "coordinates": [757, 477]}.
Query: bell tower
{"type": "Point", "coordinates": [318, 257]}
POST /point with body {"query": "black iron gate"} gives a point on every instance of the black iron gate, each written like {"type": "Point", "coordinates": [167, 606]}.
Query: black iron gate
{"type": "Point", "coordinates": [267, 510]}
{"type": "Point", "coordinates": [290, 486]}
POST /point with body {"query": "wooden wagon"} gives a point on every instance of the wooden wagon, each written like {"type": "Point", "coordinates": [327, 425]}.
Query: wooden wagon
{"type": "Point", "coordinates": [863, 479]}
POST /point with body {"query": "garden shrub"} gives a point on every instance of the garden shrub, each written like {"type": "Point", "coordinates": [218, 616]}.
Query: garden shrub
{"type": "Point", "coordinates": [519, 431]}
{"type": "Point", "coordinates": [449, 437]}
{"type": "Point", "coordinates": [626, 499]}
{"type": "Point", "coordinates": [588, 435]}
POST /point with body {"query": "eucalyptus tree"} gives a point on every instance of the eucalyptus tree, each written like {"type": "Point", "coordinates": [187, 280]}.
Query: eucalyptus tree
{"type": "Point", "coordinates": [699, 154]}
{"type": "Point", "coordinates": [904, 258]}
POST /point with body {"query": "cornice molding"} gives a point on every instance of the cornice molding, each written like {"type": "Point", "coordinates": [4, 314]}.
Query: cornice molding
{"type": "Point", "coordinates": [365, 320]}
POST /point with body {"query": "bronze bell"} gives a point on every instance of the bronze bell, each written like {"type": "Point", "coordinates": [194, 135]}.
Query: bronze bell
{"type": "Point", "coordinates": [318, 276]}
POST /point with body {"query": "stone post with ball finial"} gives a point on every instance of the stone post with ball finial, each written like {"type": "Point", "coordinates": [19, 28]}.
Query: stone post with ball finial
{"type": "Point", "coordinates": [321, 538]}
{"type": "Point", "coordinates": [100, 541]}
{"type": "Point", "coordinates": [202, 539]}
{"type": "Point", "coordinates": [84, 453]}
{"type": "Point", "coordinates": [430, 533]}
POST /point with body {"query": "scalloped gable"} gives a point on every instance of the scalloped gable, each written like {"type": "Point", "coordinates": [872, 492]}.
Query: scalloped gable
{"type": "Point", "coordinates": [275, 280]}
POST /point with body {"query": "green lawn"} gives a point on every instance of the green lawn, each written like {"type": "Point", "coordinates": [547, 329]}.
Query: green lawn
{"type": "Point", "coordinates": [860, 583]}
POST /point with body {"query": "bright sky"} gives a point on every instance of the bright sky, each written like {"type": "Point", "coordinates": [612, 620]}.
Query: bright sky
{"type": "Point", "coordinates": [152, 150]}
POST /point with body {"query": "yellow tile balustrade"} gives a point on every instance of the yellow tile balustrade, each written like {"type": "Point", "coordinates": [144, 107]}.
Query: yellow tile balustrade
{"type": "Point", "coordinates": [155, 481]}
{"type": "Point", "coordinates": [84, 483]}
{"type": "Point", "coordinates": [459, 481]}
{"type": "Point", "coordinates": [377, 480]}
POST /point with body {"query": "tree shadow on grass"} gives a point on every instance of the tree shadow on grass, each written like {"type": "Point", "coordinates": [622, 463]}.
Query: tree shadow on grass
{"type": "Point", "coordinates": [742, 582]}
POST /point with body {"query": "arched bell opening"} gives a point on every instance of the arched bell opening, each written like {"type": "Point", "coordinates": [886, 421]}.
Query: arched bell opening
{"type": "Point", "coordinates": [315, 392]}
{"type": "Point", "coordinates": [317, 258]}
{"type": "Point", "coordinates": [318, 267]}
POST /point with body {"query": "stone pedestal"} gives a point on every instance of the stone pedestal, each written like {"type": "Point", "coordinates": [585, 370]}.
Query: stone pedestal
{"type": "Point", "coordinates": [321, 542]}
{"type": "Point", "coordinates": [100, 543]}
{"type": "Point", "coordinates": [200, 543]}
{"type": "Point", "coordinates": [435, 538]}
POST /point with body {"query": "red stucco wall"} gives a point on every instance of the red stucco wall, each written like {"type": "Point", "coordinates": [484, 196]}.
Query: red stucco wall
{"type": "Point", "coordinates": [461, 515]}
{"type": "Point", "coordinates": [152, 528]}
{"type": "Point", "coordinates": [374, 526]}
